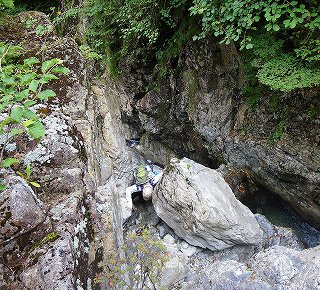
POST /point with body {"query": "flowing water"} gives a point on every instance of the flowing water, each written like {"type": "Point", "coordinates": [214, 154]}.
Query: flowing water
{"type": "Point", "coordinates": [281, 214]}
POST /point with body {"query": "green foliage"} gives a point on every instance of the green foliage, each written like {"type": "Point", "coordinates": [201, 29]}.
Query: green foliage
{"type": "Point", "coordinates": [281, 123]}
{"type": "Point", "coordinates": [138, 19]}
{"type": "Point", "coordinates": [22, 86]}
{"type": "Point", "coordinates": [285, 73]}
{"type": "Point", "coordinates": [4, 4]}
{"type": "Point", "coordinates": [88, 53]}
{"type": "Point", "coordinates": [253, 95]}
{"type": "Point", "coordinates": [281, 35]}
{"type": "Point", "coordinates": [280, 128]}
{"type": "Point", "coordinates": [291, 25]}
{"type": "Point", "coordinates": [129, 22]}
{"type": "Point", "coordinates": [29, 22]}
{"type": "Point", "coordinates": [128, 28]}
{"type": "Point", "coordinates": [26, 175]}
{"type": "Point", "coordinates": [143, 263]}
{"type": "Point", "coordinates": [234, 20]}
{"type": "Point", "coordinates": [309, 51]}
{"type": "Point", "coordinates": [8, 162]}
{"type": "Point", "coordinates": [279, 70]}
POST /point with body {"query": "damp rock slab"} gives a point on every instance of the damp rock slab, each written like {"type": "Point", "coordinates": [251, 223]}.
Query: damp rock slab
{"type": "Point", "coordinates": [200, 207]}
{"type": "Point", "coordinates": [277, 267]}
{"type": "Point", "coordinates": [20, 209]}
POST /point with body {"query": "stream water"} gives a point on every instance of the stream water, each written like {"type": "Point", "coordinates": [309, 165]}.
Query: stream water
{"type": "Point", "coordinates": [281, 214]}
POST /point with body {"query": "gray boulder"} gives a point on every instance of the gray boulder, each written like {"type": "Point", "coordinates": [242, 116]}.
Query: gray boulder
{"type": "Point", "coordinates": [283, 267]}
{"type": "Point", "coordinates": [275, 268]}
{"type": "Point", "coordinates": [226, 275]}
{"type": "Point", "coordinates": [200, 207]}
{"type": "Point", "coordinates": [20, 209]}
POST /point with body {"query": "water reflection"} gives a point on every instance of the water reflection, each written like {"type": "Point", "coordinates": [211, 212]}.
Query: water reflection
{"type": "Point", "coordinates": [281, 214]}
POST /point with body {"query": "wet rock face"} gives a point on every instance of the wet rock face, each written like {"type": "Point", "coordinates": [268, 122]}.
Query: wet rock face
{"type": "Point", "coordinates": [21, 211]}
{"type": "Point", "coordinates": [199, 112]}
{"type": "Point", "coordinates": [44, 233]}
{"type": "Point", "coordinates": [277, 267]}
{"type": "Point", "coordinates": [200, 207]}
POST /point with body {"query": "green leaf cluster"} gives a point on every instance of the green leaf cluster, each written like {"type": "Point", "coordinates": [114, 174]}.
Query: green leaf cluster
{"type": "Point", "coordinates": [144, 259]}
{"type": "Point", "coordinates": [128, 28]}
{"type": "Point", "coordinates": [23, 84]}
{"type": "Point", "coordinates": [6, 4]}
{"type": "Point", "coordinates": [26, 175]}
{"type": "Point", "coordinates": [279, 70]}
{"type": "Point", "coordinates": [285, 73]}
{"type": "Point", "coordinates": [287, 49]}
{"type": "Point", "coordinates": [235, 20]}
{"type": "Point", "coordinates": [155, 31]}
{"type": "Point", "coordinates": [88, 53]}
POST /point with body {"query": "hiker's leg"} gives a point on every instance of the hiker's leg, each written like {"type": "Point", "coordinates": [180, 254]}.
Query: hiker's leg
{"type": "Point", "coordinates": [130, 190]}
{"type": "Point", "coordinates": [127, 206]}
{"type": "Point", "coordinates": [137, 192]}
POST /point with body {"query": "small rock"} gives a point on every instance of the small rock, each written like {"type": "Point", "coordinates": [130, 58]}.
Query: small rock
{"type": "Point", "coordinates": [188, 250]}
{"type": "Point", "coordinates": [168, 239]}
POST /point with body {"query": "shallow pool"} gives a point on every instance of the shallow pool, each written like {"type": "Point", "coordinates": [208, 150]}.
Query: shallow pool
{"type": "Point", "coordinates": [281, 214]}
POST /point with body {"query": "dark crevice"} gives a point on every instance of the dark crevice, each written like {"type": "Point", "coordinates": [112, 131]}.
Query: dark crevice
{"type": "Point", "coordinates": [280, 213]}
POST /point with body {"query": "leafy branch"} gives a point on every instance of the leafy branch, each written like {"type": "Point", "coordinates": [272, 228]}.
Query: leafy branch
{"type": "Point", "coordinates": [143, 263]}
{"type": "Point", "coordinates": [21, 89]}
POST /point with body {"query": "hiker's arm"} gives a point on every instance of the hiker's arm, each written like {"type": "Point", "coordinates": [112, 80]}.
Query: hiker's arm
{"type": "Point", "coordinates": [156, 178]}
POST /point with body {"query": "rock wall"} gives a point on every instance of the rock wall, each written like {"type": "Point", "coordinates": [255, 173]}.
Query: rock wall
{"type": "Point", "coordinates": [54, 237]}
{"type": "Point", "coordinates": [198, 111]}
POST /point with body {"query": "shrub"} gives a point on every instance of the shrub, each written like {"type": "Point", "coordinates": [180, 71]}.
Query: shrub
{"type": "Point", "coordinates": [23, 85]}
{"type": "Point", "coordinates": [140, 268]}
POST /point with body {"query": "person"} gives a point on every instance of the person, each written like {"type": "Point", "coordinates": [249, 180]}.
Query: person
{"type": "Point", "coordinates": [146, 178]}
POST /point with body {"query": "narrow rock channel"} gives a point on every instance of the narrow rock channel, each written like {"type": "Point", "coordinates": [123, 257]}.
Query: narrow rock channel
{"type": "Point", "coordinates": [209, 224]}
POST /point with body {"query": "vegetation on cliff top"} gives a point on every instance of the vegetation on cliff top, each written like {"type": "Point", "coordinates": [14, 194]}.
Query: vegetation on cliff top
{"type": "Point", "coordinates": [290, 28]}
{"type": "Point", "coordinates": [282, 37]}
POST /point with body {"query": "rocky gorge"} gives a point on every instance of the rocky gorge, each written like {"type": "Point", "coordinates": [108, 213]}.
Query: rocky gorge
{"type": "Point", "coordinates": [57, 236]}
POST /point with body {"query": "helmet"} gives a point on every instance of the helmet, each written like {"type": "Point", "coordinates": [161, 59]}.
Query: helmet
{"type": "Point", "coordinates": [147, 192]}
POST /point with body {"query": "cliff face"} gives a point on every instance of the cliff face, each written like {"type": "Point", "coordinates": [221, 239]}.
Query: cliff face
{"type": "Point", "coordinates": [55, 236]}
{"type": "Point", "coordinates": [199, 112]}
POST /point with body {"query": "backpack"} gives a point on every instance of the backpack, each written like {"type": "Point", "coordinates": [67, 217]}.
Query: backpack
{"type": "Point", "coordinates": [142, 175]}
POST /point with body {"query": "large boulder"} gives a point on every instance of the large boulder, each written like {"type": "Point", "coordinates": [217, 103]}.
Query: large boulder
{"type": "Point", "coordinates": [281, 266]}
{"type": "Point", "coordinates": [200, 207]}
{"type": "Point", "coordinates": [20, 209]}
{"type": "Point", "coordinates": [277, 267]}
